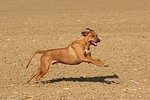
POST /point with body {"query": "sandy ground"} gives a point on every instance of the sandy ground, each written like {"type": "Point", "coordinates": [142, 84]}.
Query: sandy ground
{"type": "Point", "coordinates": [30, 25]}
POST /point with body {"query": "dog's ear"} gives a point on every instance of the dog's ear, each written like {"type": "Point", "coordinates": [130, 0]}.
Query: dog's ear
{"type": "Point", "coordinates": [85, 33]}
{"type": "Point", "coordinates": [89, 29]}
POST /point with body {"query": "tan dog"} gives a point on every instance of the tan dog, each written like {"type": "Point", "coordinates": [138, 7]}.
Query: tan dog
{"type": "Point", "coordinates": [75, 53]}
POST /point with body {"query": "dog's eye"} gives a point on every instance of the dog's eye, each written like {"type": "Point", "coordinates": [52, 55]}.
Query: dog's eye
{"type": "Point", "coordinates": [92, 35]}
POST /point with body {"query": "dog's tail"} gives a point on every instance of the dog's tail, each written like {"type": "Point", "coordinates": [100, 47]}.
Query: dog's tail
{"type": "Point", "coordinates": [37, 52]}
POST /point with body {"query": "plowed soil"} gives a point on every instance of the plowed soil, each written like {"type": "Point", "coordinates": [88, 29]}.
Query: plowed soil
{"type": "Point", "coordinates": [30, 25]}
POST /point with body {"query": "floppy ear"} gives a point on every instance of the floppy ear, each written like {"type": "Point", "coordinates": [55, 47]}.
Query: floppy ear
{"type": "Point", "coordinates": [85, 33]}
{"type": "Point", "coordinates": [89, 29]}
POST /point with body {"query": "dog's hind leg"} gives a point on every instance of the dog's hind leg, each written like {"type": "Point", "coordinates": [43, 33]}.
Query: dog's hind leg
{"type": "Point", "coordinates": [33, 75]}
{"type": "Point", "coordinates": [46, 61]}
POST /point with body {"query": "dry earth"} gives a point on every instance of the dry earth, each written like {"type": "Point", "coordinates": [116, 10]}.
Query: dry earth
{"type": "Point", "coordinates": [30, 25]}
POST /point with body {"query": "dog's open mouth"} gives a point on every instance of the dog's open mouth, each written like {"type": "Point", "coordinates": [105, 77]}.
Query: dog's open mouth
{"type": "Point", "coordinates": [93, 43]}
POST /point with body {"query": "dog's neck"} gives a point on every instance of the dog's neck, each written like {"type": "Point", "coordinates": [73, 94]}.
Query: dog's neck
{"type": "Point", "coordinates": [87, 47]}
{"type": "Point", "coordinates": [84, 43]}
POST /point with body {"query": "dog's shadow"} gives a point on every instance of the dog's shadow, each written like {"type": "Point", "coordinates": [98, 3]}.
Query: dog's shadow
{"type": "Point", "coordinates": [82, 79]}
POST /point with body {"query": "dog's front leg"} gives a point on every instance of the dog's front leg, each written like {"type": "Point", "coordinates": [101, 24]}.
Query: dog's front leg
{"type": "Point", "coordinates": [90, 60]}
{"type": "Point", "coordinates": [100, 63]}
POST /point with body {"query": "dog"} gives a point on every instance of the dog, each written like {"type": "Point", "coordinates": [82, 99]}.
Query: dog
{"type": "Point", "coordinates": [77, 52]}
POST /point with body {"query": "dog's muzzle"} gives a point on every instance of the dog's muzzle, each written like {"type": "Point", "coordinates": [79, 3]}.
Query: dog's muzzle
{"type": "Point", "coordinates": [95, 43]}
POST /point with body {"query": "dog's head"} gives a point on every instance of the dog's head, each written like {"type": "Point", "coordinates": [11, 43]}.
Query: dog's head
{"type": "Point", "coordinates": [91, 37]}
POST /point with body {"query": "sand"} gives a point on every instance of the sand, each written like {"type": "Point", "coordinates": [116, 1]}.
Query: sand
{"type": "Point", "coordinates": [30, 25]}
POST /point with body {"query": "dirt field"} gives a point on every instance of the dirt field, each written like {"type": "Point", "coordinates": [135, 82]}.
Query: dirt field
{"type": "Point", "coordinates": [30, 25]}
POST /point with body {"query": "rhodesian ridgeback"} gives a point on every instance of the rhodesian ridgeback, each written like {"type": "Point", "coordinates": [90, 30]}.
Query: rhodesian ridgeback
{"type": "Point", "coordinates": [75, 53]}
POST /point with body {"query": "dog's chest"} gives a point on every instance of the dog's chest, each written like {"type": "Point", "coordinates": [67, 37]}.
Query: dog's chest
{"type": "Point", "coordinates": [87, 52]}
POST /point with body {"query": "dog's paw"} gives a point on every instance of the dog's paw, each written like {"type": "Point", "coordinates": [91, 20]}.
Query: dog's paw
{"type": "Point", "coordinates": [106, 65]}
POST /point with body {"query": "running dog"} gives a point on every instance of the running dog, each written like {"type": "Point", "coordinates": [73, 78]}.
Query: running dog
{"type": "Point", "coordinates": [77, 52]}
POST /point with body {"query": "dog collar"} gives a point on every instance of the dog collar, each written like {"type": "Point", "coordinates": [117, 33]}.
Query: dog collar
{"type": "Point", "coordinates": [87, 52]}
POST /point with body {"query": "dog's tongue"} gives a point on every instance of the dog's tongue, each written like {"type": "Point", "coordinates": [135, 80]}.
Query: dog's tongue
{"type": "Point", "coordinates": [95, 43]}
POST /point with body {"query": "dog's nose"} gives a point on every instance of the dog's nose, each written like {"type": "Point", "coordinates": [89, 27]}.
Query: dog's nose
{"type": "Point", "coordinates": [98, 40]}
